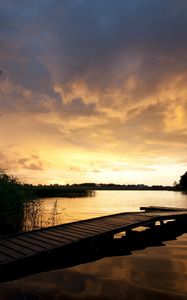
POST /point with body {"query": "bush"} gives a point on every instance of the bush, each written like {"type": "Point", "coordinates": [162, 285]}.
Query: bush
{"type": "Point", "coordinates": [12, 199]}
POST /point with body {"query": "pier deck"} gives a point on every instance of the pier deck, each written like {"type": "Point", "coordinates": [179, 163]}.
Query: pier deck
{"type": "Point", "coordinates": [25, 249]}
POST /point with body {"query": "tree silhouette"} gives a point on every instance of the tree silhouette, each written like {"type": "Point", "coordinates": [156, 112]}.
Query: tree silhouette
{"type": "Point", "coordinates": [12, 199]}
{"type": "Point", "coordinates": [183, 182]}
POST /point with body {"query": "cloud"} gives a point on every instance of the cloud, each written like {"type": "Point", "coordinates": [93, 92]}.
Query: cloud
{"type": "Point", "coordinates": [93, 77]}
{"type": "Point", "coordinates": [32, 163]}
{"type": "Point", "coordinates": [70, 40]}
{"type": "Point", "coordinates": [101, 43]}
{"type": "Point", "coordinates": [12, 160]}
{"type": "Point", "coordinates": [79, 107]}
{"type": "Point", "coordinates": [94, 39]}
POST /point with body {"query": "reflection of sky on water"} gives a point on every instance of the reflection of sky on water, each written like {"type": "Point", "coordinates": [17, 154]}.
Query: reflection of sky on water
{"type": "Point", "coordinates": [104, 203]}
{"type": "Point", "coordinates": [156, 273]}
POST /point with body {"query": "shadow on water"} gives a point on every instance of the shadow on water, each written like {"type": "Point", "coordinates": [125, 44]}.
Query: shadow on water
{"type": "Point", "coordinates": [90, 250]}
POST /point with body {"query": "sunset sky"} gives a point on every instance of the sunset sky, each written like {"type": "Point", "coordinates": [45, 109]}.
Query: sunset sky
{"type": "Point", "coordinates": [93, 90]}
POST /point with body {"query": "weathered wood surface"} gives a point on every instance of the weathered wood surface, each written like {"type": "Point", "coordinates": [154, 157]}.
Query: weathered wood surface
{"type": "Point", "coordinates": [19, 248]}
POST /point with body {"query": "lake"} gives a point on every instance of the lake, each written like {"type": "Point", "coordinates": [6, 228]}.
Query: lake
{"type": "Point", "coordinates": [155, 272]}
{"type": "Point", "coordinates": [53, 211]}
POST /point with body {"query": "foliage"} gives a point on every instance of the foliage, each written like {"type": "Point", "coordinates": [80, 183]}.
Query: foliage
{"type": "Point", "coordinates": [183, 182]}
{"type": "Point", "coordinates": [55, 190]}
{"type": "Point", "coordinates": [14, 196]}
{"type": "Point", "coordinates": [12, 199]}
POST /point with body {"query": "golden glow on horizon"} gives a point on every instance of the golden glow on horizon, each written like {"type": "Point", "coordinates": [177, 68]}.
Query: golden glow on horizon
{"type": "Point", "coordinates": [49, 148]}
{"type": "Point", "coordinates": [105, 104]}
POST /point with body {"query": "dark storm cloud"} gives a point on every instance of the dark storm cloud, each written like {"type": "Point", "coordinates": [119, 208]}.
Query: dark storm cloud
{"type": "Point", "coordinates": [21, 50]}
{"type": "Point", "coordinates": [43, 42]}
{"type": "Point", "coordinates": [93, 39]}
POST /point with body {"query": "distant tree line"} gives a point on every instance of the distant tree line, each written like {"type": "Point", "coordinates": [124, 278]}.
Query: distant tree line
{"type": "Point", "coordinates": [112, 186]}
{"type": "Point", "coordinates": [85, 189]}
{"type": "Point", "coordinates": [14, 195]}
{"type": "Point", "coordinates": [56, 190]}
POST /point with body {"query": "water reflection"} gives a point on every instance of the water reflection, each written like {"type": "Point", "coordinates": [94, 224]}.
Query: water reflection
{"type": "Point", "coordinates": [54, 211]}
{"type": "Point", "coordinates": [35, 215]}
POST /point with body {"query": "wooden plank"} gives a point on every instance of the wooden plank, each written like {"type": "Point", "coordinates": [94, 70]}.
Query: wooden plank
{"type": "Point", "coordinates": [99, 227]}
{"type": "Point", "coordinates": [73, 230]}
{"type": "Point", "coordinates": [66, 231]}
{"type": "Point", "coordinates": [4, 257]}
{"type": "Point", "coordinates": [127, 223]}
{"type": "Point", "coordinates": [19, 248]}
{"type": "Point", "coordinates": [63, 237]}
{"type": "Point", "coordinates": [141, 223]}
{"type": "Point", "coordinates": [109, 223]}
{"type": "Point", "coordinates": [80, 229]}
{"type": "Point", "coordinates": [35, 242]}
{"type": "Point", "coordinates": [62, 232]}
{"type": "Point", "coordinates": [26, 244]}
{"type": "Point", "coordinates": [130, 218]}
{"type": "Point", "coordinates": [41, 237]}
{"type": "Point", "coordinates": [10, 252]}
{"type": "Point", "coordinates": [65, 240]}
{"type": "Point", "coordinates": [70, 232]}
{"type": "Point", "coordinates": [101, 224]}
{"type": "Point", "coordinates": [58, 238]}
{"type": "Point", "coordinates": [89, 227]}
{"type": "Point", "coordinates": [87, 230]}
{"type": "Point", "coordinates": [137, 219]}
{"type": "Point", "coordinates": [113, 220]}
{"type": "Point", "coordinates": [127, 217]}
{"type": "Point", "coordinates": [112, 223]}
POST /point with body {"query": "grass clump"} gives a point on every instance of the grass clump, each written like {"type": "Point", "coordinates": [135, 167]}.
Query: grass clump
{"type": "Point", "coordinates": [12, 199]}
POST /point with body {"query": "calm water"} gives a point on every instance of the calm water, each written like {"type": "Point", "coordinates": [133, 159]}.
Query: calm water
{"type": "Point", "coordinates": [155, 272]}
{"type": "Point", "coordinates": [52, 211]}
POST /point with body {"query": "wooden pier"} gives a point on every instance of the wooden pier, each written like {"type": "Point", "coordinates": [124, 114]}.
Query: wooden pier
{"type": "Point", "coordinates": [20, 252]}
